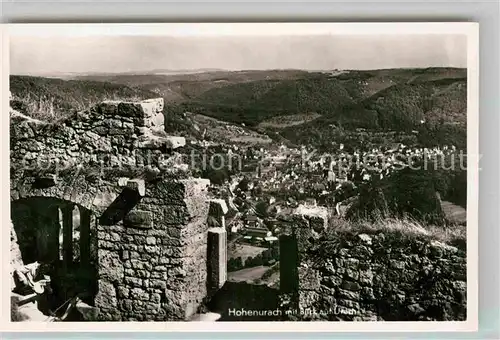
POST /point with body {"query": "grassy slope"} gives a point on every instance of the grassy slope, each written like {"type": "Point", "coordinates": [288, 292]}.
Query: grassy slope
{"type": "Point", "coordinates": [282, 122]}
{"type": "Point", "coordinates": [50, 98]}
{"type": "Point", "coordinates": [406, 228]}
{"type": "Point", "coordinates": [208, 128]}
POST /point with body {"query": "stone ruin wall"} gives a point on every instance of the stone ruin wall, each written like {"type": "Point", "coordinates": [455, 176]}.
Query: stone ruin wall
{"type": "Point", "coordinates": [153, 265]}
{"type": "Point", "coordinates": [151, 236]}
{"type": "Point", "coordinates": [108, 134]}
{"type": "Point", "coordinates": [376, 276]}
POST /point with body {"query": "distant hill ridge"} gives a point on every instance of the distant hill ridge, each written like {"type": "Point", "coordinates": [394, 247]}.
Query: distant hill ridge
{"type": "Point", "coordinates": [354, 97]}
{"type": "Point", "coordinates": [388, 99]}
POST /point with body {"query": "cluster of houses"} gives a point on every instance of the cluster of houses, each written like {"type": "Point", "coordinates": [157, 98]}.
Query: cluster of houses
{"type": "Point", "coordinates": [255, 230]}
{"type": "Point", "coordinates": [284, 180]}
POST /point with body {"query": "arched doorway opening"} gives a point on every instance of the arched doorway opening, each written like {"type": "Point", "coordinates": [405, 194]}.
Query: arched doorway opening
{"type": "Point", "coordinates": [62, 236]}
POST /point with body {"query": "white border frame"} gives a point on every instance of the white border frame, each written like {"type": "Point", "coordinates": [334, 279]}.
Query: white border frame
{"type": "Point", "coordinates": [471, 30]}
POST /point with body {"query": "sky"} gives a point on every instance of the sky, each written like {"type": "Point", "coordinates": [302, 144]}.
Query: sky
{"type": "Point", "coordinates": [114, 54]}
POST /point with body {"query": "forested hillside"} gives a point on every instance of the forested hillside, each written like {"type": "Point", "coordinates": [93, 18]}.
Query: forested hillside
{"type": "Point", "coordinates": [434, 111]}
{"type": "Point", "coordinates": [422, 105]}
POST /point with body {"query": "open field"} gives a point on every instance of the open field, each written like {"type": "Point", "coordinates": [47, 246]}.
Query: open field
{"type": "Point", "coordinates": [214, 129]}
{"type": "Point", "coordinates": [286, 121]}
{"type": "Point", "coordinates": [244, 251]}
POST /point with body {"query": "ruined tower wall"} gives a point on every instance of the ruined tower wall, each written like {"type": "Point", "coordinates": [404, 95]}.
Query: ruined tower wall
{"type": "Point", "coordinates": [152, 265]}
{"type": "Point", "coordinates": [111, 134]}
{"type": "Point", "coordinates": [150, 232]}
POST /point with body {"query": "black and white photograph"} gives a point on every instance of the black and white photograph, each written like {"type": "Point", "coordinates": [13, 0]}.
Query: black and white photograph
{"type": "Point", "coordinates": [224, 173]}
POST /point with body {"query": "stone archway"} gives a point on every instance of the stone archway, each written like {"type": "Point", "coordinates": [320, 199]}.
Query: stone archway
{"type": "Point", "coordinates": [61, 235]}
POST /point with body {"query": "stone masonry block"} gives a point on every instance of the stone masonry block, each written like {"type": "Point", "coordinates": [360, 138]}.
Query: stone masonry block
{"type": "Point", "coordinates": [217, 257]}
{"type": "Point", "coordinates": [195, 186]}
{"type": "Point", "coordinates": [110, 266]}
{"type": "Point", "coordinates": [106, 296]}
{"type": "Point", "coordinates": [316, 215]}
{"type": "Point", "coordinates": [137, 185]}
{"type": "Point", "coordinates": [139, 219]}
{"type": "Point", "coordinates": [309, 278]}
{"type": "Point", "coordinates": [218, 207]}
{"type": "Point", "coordinates": [217, 210]}
{"type": "Point", "coordinates": [149, 141]}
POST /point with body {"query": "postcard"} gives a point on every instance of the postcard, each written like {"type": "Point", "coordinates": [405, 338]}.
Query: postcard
{"type": "Point", "coordinates": [245, 176]}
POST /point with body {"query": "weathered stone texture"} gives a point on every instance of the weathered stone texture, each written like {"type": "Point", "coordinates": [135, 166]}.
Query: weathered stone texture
{"type": "Point", "coordinates": [381, 276]}
{"type": "Point", "coordinates": [111, 134]}
{"type": "Point", "coordinates": [151, 235]}
{"type": "Point", "coordinates": [217, 270]}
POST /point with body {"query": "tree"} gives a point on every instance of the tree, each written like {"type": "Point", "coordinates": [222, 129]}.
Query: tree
{"type": "Point", "coordinates": [266, 257]}
{"type": "Point", "coordinates": [230, 265]}
{"type": "Point", "coordinates": [243, 185]}
{"type": "Point", "coordinates": [261, 208]}
{"type": "Point", "coordinates": [257, 191]}
{"type": "Point", "coordinates": [275, 252]}
{"type": "Point", "coordinates": [216, 176]}
{"type": "Point", "coordinates": [239, 262]}
{"type": "Point", "coordinates": [234, 264]}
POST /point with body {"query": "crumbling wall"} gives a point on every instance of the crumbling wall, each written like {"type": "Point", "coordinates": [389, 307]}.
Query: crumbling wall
{"type": "Point", "coordinates": [381, 275]}
{"type": "Point", "coordinates": [110, 134]}
{"type": "Point", "coordinates": [151, 230]}
{"type": "Point", "coordinates": [152, 265]}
